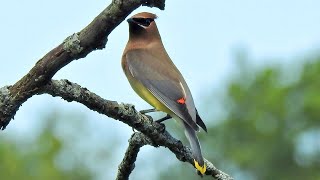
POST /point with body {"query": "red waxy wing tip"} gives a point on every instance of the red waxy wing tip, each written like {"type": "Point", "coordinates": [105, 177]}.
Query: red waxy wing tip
{"type": "Point", "coordinates": [181, 100]}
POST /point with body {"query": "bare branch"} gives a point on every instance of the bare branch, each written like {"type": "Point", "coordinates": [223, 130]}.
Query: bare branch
{"type": "Point", "coordinates": [77, 46]}
{"type": "Point", "coordinates": [153, 133]}
{"type": "Point", "coordinates": [128, 163]}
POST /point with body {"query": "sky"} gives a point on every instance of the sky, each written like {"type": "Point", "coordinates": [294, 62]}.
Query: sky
{"type": "Point", "coordinates": [201, 38]}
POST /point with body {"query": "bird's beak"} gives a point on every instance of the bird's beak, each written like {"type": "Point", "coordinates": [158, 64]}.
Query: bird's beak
{"type": "Point", "coordinates": [130, 20]}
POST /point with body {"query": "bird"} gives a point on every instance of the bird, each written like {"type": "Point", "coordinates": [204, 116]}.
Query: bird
{"type": "Point", "coordinates": [154, 77]}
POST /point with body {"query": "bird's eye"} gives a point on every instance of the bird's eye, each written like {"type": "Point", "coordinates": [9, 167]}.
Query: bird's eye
{"type": "Point", "coordinates": [143, 21]}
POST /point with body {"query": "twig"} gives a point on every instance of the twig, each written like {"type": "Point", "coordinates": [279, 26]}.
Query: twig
{"type": "Point", "coordinates": [127, 165]}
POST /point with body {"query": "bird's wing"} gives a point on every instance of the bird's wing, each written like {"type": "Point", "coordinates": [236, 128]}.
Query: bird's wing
{"type": "Point", "coordinates": [165, 82]}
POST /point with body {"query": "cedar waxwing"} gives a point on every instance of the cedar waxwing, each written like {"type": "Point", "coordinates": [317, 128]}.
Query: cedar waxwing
{"type": "Point", "coordinates": [155, 78]}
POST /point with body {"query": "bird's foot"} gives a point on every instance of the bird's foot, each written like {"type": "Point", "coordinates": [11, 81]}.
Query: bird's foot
{"type": "Point", "coordinates": [164, 118]}
{"type": "Point", "coordinates": [148, 111]}
{"type": "Point", "coordinates": [199, 173]}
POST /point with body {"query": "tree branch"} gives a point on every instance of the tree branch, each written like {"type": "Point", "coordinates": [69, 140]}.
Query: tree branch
{"type": "Point", "coordinates": [77, 46]}
{"type": "Point", "coordinates": [128, 163]}
{"type": "Point", "coordinates": [153, 133]}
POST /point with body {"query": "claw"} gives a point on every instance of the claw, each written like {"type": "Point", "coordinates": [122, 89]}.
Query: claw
{"type": "Point", "coordinates": [164, 118]}
{"type": "Point", "coordinates": [148, 111]}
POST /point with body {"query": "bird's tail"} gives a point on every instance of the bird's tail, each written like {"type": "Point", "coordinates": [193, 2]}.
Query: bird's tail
{"type": "Point", "coordinates": [196, 149]}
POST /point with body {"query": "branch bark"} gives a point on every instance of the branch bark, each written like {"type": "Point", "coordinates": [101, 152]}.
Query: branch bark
{"type": "Point", "coordinates": [76, 46]}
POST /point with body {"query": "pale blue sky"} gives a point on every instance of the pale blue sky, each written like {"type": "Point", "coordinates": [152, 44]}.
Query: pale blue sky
{"type": "Point", "coordinates": [200, 37]}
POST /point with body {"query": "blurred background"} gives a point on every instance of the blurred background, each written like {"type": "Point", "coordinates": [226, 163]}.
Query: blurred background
{"type": "Point", "coordinates": [253, 68]}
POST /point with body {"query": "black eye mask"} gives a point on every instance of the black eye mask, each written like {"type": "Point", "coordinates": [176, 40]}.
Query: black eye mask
{"type": "Point", "coordinates": [143, 21]}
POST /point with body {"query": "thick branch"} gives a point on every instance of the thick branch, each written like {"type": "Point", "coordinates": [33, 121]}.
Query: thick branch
{"type": "Point", "coordinates": [154, 133]}
{"type": "Point", "coordinates": [77, 46]}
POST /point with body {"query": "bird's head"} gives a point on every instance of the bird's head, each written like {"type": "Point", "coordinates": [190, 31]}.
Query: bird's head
{"type": "Point", "coordinates": [143, 25]}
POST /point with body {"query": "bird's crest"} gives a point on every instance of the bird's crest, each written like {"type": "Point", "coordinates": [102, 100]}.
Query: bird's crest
{"type": "Point", "coordinates": [145, 15]}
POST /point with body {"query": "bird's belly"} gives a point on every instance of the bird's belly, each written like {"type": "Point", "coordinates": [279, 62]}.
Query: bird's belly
{"type": "Point", "coordinates": [146, 95]}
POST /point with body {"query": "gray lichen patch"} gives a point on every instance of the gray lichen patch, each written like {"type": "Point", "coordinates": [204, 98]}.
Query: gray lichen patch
{"type": "Point", "coordinates": [72, 44]}
{"type": "Point", "coordinates": [77, 93]}
{"type": "Point", "coordinates": [66, 86]}
{"type": "Point", "coordinates": [4, 95]}
{"type": "Point", "coordinates": [127, 109]}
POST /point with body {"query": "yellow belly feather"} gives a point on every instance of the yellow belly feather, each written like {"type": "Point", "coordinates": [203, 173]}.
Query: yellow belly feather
{"type": "Point", "coordinates": [146, 95]}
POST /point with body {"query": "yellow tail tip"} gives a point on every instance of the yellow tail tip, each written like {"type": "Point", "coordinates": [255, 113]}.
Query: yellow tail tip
{"type": "Point", "coordinates": [201, 169]}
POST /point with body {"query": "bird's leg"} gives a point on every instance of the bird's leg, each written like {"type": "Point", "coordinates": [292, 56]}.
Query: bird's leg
{"type": "Point", "coordinates": [148, 111]}
{"type": "Point", "coordinates": [199, 173]}
{"type": "Point", "coordinates": [164, 118]}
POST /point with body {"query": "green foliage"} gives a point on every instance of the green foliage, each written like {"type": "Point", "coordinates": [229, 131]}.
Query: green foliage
{"type": "Point", "coordinates": [37, 160]}
{"type": "Point", "coordinates": [272, 126]}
